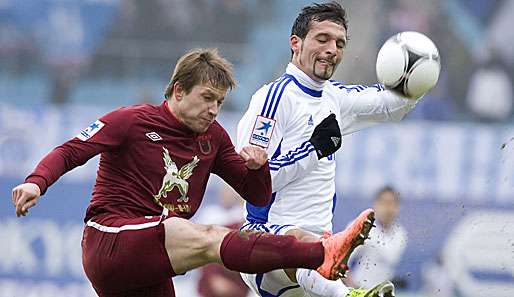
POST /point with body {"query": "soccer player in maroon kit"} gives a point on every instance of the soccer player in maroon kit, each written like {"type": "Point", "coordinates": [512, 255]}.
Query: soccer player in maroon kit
{"type": "Point", "coordinates": [154, 166]}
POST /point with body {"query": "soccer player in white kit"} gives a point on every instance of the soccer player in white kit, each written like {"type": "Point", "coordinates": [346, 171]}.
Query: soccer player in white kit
{"type": "Point", "coordinates": [282, 118]}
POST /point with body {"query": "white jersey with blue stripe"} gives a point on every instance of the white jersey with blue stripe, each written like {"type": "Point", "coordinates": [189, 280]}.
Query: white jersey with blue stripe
{"type": "Point", "coordinates": [281, 118]}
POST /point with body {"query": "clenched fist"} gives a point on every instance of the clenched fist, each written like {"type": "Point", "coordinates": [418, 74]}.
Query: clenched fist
{"type": "Point", "coordinates": [254, 157]}
{"type": "Point", "coordinates": [24, 197]}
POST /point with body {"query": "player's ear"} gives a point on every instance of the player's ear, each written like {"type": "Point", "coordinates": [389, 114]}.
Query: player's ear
{"type": "Point", "coordinates": [178, 91]}
{"type": "Point", "coordinates": [295, 43]}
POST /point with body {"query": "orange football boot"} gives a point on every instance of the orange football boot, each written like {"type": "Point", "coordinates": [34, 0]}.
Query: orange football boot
{"type": "Point", "coordinates": [339, 247]}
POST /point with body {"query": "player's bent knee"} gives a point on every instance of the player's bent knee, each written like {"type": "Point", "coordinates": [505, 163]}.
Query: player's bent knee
{"type": "Point", "coordinates": [184, 239]}
{"type": "Point", "coordinates": [213, 236]}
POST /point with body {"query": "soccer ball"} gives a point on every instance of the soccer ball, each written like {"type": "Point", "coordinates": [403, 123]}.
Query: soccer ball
{"type": "Point", "coordinates": [409, 63]}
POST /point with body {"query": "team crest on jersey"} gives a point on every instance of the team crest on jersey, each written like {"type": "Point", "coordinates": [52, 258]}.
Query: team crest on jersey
{"type": "Point", "coordinates": [204, 143]}
{"type": "Point", "coordinates": [91, 130]}
{"type": "Point", "coordinates": [262, 131]}
{"type": "Point", "coordinates": [175, 178]}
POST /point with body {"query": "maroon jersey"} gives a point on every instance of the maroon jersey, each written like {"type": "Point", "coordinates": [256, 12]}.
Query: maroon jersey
{"type": "Point", "coordinates": [150, 161]}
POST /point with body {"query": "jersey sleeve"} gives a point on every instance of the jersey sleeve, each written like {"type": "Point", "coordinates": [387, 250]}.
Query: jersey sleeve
{"type": "Point", "coordinates": [275, 112]}
{"type": "Point", "coordinates": [253, 185]}
{"type": "Point", "coordinates": [258, 127]}
{"type": "Point", "coordinates": [365, 106]}
{"type": "Point", "coordinates": [105, 134]}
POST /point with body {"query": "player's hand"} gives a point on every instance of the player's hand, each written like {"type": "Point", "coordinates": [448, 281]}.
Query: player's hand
{"type": "Point", "coordinates": [254, 157]}
{"type": "Point", "coordinates": [24, 197]}
{"type": "Point", "coordinates": [326, 137]}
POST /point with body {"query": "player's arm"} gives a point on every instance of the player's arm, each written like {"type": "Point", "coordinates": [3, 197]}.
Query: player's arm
{"type": "Point", "coordinates": [362, 106]}
{"type": "Point", "coordinates": [246, 172]}
{"type": "Point", "coordinates": [285, 166]}
{"type": "Point", "coordinates": [105, 134]}
{"type": "Point", "coordinates": [294, 164]}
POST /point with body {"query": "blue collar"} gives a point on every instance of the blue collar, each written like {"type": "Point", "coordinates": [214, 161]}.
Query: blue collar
{"type": "Point", "coordinates": [308, 91]}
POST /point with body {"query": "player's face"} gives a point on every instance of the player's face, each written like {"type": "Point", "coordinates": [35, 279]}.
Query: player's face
{"type": "Point", "coordinates": [386, 208]}
{"type": "Point", "coordinates": [199, 108]}
{"type": "Point", "coordinates": [319, 54]}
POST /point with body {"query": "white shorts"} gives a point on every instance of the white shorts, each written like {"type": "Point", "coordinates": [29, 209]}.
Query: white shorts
{"type": "Point", "coordinates": [273, 283]}
{"type": "Point", "coordinates": [267, 227]}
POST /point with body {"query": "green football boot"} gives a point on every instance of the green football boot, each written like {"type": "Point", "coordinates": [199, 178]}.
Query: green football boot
{"type": "Point", "coordinates": [384, 289]}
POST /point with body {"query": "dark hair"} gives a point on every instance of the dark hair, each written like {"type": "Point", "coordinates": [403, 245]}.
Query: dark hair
{"type": "Point", "coordinates": [202, 66]}
{"type": "Point", "coordinates": [388, 189]}
{"type": "Point", "coordinates": [331, 11]}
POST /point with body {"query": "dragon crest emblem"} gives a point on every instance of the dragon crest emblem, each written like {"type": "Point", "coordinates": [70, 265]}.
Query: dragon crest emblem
{"type": "Point", "coordinates": [175, 177]}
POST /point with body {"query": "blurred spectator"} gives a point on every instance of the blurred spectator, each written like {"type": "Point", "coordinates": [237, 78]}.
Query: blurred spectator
{"type": "Point", "coordinates": [446, 102]}
{"type": "Point", "coordinates": [68, 34]}
{"type": "Point", "coordinates": [489, 95]}
{"type": "Point", "coordinates": [227, 210]}
{"type": "Point", "coordinates": [482, 10]}
{"type": "Point", "coordinates": [69, 50]}
{"type": "Point", "coordinates": [215, 280]}
{"type": "Point", "coordinates": [411, 15]}
{"type": "Point", "coordinates": [377, 259]}
{"type": "Point", "coordinates": [436, 280]}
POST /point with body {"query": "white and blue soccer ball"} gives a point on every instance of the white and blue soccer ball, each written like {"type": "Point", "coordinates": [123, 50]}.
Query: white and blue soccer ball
{"type": "Point", "coordinates": [409, 63]}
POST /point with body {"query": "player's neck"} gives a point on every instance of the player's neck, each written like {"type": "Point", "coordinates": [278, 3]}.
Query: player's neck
{"type": "Point", "coordinates": [304, 79]}
{"type": "Point", "coordinates": [174, 109]}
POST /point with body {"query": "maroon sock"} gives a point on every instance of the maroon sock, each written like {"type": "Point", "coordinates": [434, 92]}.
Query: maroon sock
{"type": "Point", "coordinates": [259, 252]}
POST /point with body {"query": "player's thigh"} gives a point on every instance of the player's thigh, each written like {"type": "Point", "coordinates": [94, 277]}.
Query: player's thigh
{"type": "Point", "coordinates": [191, 245]}
{"type": "Point", "coordinates": [117, 259]}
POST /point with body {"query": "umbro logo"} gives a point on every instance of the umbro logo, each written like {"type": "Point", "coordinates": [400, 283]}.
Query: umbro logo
{"type": "Point", "coordinates": [310, 122]}
{"type": "Point", "coordinates": [153, 136]}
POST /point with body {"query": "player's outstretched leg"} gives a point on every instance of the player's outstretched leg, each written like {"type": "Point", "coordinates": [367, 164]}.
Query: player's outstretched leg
{"type": "Point", "coordinates": [192, 245]}
{"type": "Point", "coordinates": [339, 247]}
{"type": "Point", "coordinates": [384, 289]}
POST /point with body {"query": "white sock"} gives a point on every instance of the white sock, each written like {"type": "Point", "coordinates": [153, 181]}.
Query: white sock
{"type": "Point", "coordinates": [318, 286]}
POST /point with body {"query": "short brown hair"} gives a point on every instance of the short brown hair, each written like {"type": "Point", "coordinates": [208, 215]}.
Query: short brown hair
{"type": "Point", "coordinates": [202, 66]}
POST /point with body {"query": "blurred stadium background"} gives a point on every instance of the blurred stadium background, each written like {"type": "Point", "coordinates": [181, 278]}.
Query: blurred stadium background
{"type": "Point", "coordinates": [63, 63]}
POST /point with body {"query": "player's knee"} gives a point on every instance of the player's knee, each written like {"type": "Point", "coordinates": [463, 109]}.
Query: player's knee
{"type": "Point", "coordinates": [206, 241]}
{"type": "Point", "coordinates": [199, 240]}
{"type": "Point", "coordinates": [211, 239]}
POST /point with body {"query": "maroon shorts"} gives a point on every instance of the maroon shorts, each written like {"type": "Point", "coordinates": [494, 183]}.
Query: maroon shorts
{"type": "Point", "coordinates": [127, 257]}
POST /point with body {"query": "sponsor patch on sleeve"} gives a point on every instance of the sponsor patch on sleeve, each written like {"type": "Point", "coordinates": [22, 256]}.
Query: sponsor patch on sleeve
{"type": "Point", "coordinates": [91, 130]}
{"type": "Point", "coordinates": [262, 131]}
